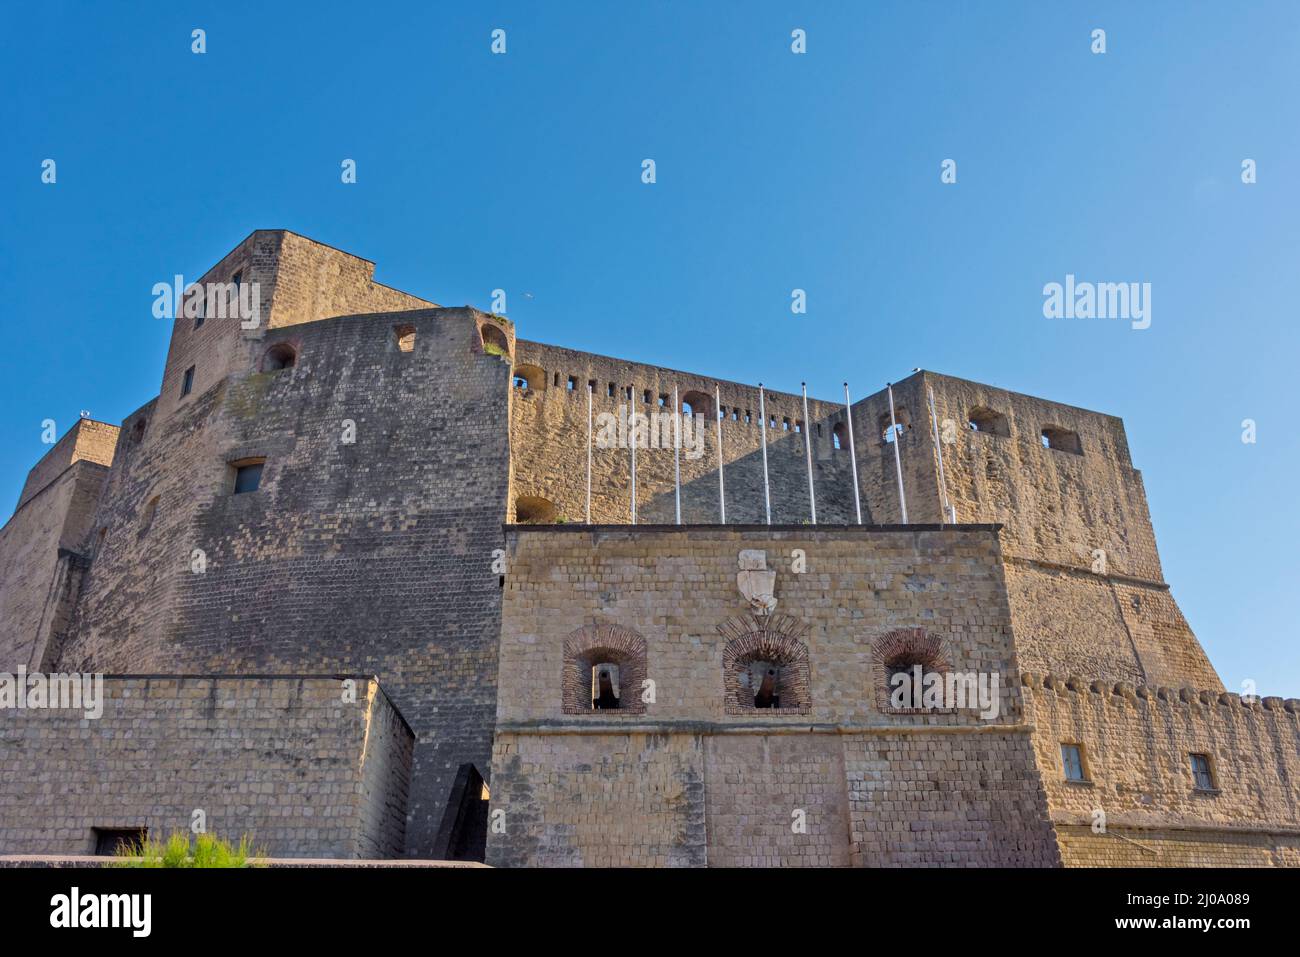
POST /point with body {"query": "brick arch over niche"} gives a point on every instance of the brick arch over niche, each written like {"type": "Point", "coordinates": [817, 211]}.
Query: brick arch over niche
{"type": "Point", "coordinates": [594, 645]}
{"type": "Point", "coordinates": [903, 648]}
{"type": "Point", "coordinates": [773, 640]}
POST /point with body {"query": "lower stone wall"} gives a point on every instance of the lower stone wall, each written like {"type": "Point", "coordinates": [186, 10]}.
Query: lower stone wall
{"type": "Point", "coordinates": [751, 799]}
{"type": "Point", "coordinates": [969, 799]}
{"type": "Point", "coordinates": [1143, 847]}
{"type": "Point", "coordinates": [301, 766]}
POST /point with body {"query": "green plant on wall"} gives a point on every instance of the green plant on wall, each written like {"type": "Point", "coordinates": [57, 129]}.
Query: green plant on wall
{"type": "Point", "coordinates": [207, 850]}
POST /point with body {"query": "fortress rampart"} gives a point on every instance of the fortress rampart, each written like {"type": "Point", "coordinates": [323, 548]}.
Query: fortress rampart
{"type": "Point", "coordinates": [323, 491]}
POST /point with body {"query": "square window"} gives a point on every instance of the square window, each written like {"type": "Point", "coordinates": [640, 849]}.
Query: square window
{"type": "Point", "coordinates": [248, 475]}
{"type": "Point", "coordinates": [1072, 760]}
{"type": "Point", "coordinates": [1201, 773]}
{"type": "Point", "coordinates": [187, 383]}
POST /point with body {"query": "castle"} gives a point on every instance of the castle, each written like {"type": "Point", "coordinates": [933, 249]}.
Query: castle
{"type": "Point", "coordinates": [350, 596]}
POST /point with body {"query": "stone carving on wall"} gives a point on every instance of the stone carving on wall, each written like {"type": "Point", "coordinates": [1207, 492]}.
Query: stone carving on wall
{"type": "Point", "coordinates": [756, 582]}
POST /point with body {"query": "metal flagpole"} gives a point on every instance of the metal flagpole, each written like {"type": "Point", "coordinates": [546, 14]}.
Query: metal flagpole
{"type": "Point", "coordinates": [589, 391]}
{"type": "Point", "coordinates": [677, 453]}
{"type": "Point", "coordinates": [853, 455]}
{"type": "Point", "coordinates": [898, 464]}
{"type": "Point", "coordinates": [762, 414]}
{"type": "Point", "coordinates": [631, 434]}
{"type": "Point", "coordinates": [807, 444]}
{"type": "Point", "coordinates": [950, 511]}
{"type": "Point", "coordinates": [722, 490]}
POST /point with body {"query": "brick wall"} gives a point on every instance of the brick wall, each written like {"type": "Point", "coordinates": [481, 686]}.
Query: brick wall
{"type": "Point", "coordinates": [285, 760]}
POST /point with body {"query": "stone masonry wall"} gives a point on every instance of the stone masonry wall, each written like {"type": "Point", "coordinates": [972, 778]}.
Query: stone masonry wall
{"type": "Point", "coordinates": [688, 780]}
{"type": "Point", "coordinates": [548, 428]}
{"type": "Point", "coordinates": [1086, 587]}
{"type": "Point", "coordinates": [1136, 744]}
{"type": "Point", "coordinates": [373, 555]}
{"type": "Point", "coordinates": [285, 760]}
{"type": "Point", "coordinates": [42, 546]}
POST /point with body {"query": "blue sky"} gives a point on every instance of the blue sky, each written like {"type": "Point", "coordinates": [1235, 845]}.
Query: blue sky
{"type": "Point", "coordinates": [775, 171]}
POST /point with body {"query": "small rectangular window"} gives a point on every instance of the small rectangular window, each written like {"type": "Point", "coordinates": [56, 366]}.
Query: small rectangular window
{"type": "Point", "coordinates": [748, 418]}
{"type": "Point", "coordinates": [236, 279]}
{"type": "Point", "coordinates": [628, 393]}
{"type": "Point", "coordinates": [591, 386]}
{"type": "Point", "coordinates": [187, 383]}
{"type": "Point", "coordinates": [572, 384]}
{"type": "Point", "coordinates": [798, 426]}
{"type": "Point", "coordinates": [1072, 759]}
{"type": "Point", "coordinates": [1201, 772]}
{"type": "Point", "coordinates": [785, 425]}
{"type": "Point", "coordinates": [248, 475]}
{"type": "Point", "coordinates": [645, 396]}
{"type": "Point", "coordinates": [612, 389]}
{"type": "Point", "coordinates": [663, 400]}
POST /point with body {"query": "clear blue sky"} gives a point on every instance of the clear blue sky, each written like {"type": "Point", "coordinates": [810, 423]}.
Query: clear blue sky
{"type": "Point", "coordinates": [775, 171]}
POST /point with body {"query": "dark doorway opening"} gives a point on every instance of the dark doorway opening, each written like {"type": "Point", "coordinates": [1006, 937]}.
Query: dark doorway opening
{"type": "Point", "coordinates": [108, 840]}
{"type": "Point", "coordinates": [462, 835]}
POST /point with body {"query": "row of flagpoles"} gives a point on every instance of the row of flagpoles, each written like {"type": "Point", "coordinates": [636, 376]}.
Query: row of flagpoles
{"type": "Point", "coordinates": [949, 512]}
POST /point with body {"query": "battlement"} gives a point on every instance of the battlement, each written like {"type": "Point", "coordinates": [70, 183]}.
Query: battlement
{"type": "Point", "coordinates": [1127, 692]}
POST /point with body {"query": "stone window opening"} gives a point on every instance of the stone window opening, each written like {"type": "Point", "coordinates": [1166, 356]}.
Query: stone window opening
{"type": "Point", "coordinates": [557, 379]}
{"type": "Point", "coordinates": [534, 510]}
{"type": "Point", "coordinates": [840, 436]}
{"type": "Point", "coordinates": [765, 665]}
{"type": "Point", "coordinates": [1202, 772]}
{"type": "Point", "coordinates": [902, 652]}
{"type": "Point", "coordinates": [572, 384]}
{"type": "Point", "coordinates": [405, 336]}
{"type": "Point", "coordinates": [148, 515]}
{"type": "Point", "coordinates": [663, 401]}
{"type": "Point", "coordinates": [187, 382]}
{"type": "Point", "coordinates": [819, 430]}
{"type": "Point", "coordinates": [529, 379]}
{"type": "Point", "coordinates": [900, 425]}
{"type": "Point", "coordinates": [613, 389]}
{"type": "Point", "coordinates": [628, 393]}
{"type": "Point", "coordinates": [591, 386]}
{"type": "Point", "coordinates": [493, 339]}
{"type": "Point", "coordinates": [114, 841]}
{"type": "Point", "coordinates": [137, 430]}
{"type": "Point", "coordinates": [749, 418]}
{"type": "Point", "coordinates": [281, 356]}
{"type": "Point", "coordinates": [735, 415]}
{"type": "Point", "coordinates": [986, 420]}
{"type": "Point", "coordinates": [798, 426]}
{"type": "Point", "coordinates": [695, 402]}
{"type": "Point", "coordinates": [1062, 440]}
{"type": "Point", "coordinates": [604, 671]}
{"type": "Point", "coordinates": [246, 475]}
{"type": "Point", "coordinates": [1073, 764]}
{"type": "Point", "coordinates": [785, 424]}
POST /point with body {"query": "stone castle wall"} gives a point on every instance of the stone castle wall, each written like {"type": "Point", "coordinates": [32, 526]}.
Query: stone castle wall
{"type": "Point", "coordinates": [42, 546]}
{"type": "Point", "coordinates": [1136, 744]}
{"type": "Point", "coordinates": [548, 437]}
{"type": "Point", "coordinates": [691, 780]}
{"type": "Point", "coordinates": [285, 760]}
